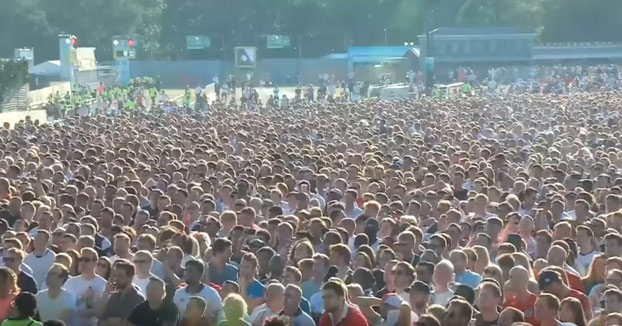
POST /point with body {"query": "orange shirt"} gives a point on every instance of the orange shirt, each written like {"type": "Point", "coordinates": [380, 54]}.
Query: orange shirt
{"type": "Point", "coordinates": [526, 306]}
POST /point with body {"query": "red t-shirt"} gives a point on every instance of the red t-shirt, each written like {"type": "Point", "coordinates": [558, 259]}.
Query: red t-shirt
{"type": "Point", "coordinates": [354, 317]}
{"type": "Point", "coordinates": [585, 303]}
{"type": "Point", "coordinates": [575, 282]}
{"type": "Point", "coordinates": [526, 306]}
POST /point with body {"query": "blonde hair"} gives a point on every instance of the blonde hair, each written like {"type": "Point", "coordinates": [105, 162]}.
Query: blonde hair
{"type": "Point", "coordinates": [7, 275]}
{"type": "Point", "coordinates": [234, 307]}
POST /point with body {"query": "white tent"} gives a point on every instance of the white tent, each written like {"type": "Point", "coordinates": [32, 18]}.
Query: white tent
{"type": "Point", "coordinates": [48, 68]}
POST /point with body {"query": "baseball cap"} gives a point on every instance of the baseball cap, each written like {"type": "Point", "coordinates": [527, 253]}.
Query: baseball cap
{"type": "Point", "coordinates": [547, 278]}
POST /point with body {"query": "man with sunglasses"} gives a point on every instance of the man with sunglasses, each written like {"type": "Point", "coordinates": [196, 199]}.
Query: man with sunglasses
{"type": "Point", "coordinates": [13, 259]}
{"type": "Point", "coordinates": [87, 287]}
{"type": "Point", "coordinates": [55, 302]}
{"type": "Point", "coordinates": [143, 260]}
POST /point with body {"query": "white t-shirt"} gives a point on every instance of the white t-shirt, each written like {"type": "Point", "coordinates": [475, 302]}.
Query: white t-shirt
{"type": "Point", "coordinates": [582, 262]}
{"type": "Point", "coordinates": [141, 283]}
{"type": "Point", "coordinates": [260, 314]}
{"type": "Point", "coordinates": [78, 286]}
{"type": "Point", "coordinates": [53, 308]}
{"type": "Point", "coordinates": [40, 266]}
{"type": "Point", "coordinates": [442, 298]}
{"type": "Point", "coordinates": [212, 299]}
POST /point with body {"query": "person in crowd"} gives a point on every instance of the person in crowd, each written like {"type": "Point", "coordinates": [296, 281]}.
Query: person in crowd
{"type": "Point", "coordinates": [547, 309]}
{"type": "Point", "coordinates": [292, 309]}
{"type": "Point", "coordinates": [195, 287]}
{"type": "Point", "coordinates": [143, 261]}
{"type": "Point", "coordinates": [13, 258]}
{"type": "Point", "coordinates": [88, 289]}
{"type": "Point", "coordinates": [154, 310]}
{"type": "Point", "coordinates": [443, 273]}
{"type": "Point", "coordinates": [120, 296]}
{"type": "Point", "coordinates": [459, 313]}
{"type": "Point", "coordinates": [462, 275]}
{"type": "Point", "coordinates": [571, 311]}
{"type": "Point", "coordinates": [234, 308]}
{"type": "Point", "coordinates": [274, 301]}
{"type": "Point", "coordinates": [41, 258]}
{"type": "Point", "coordinates": [23, 310]}
{"type": "Point", "coordinates": [509, 316]}
{"type": "Point", "coordinates": [551, 282]}
{"type": "Point", "coordinates": [337, 311]}
{"type": "Point", "coordinates": [518, 296]}
{"type": "Point", "coordinates": [219, 269]}
{"type": "Point", "coordinates": [488, 303]}
{"type": "Point", "coordinates": [55, 302]}
{"type": "Point", "coordinates": [194, 314]}
{"type": "Point", "coordinates": [8, 291]}
{"type": "Point", "coordinates": [251, 289]}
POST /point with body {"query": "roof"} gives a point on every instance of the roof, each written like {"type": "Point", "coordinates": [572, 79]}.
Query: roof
{"type": "Point", "coordinates": [381, 52]}
{"type": "Point", "coordinates": [47, 68]}
{"type": "Point", "coordinates": [578, 52]}
{"type": "Point", "coordinates": [475, 30]}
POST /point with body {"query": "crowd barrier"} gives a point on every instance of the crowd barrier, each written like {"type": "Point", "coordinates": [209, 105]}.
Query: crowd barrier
{"type": "Point", "coordinates": [39, 97]}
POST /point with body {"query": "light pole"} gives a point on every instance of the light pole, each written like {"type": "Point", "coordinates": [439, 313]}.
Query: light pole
{"type": "Point", "coordinates": [385, 36]}
{"type": "Point", "coordinates": [429, 51]}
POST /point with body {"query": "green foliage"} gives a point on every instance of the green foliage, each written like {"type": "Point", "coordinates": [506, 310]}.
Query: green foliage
{"type": "Point", "coordinates": [319, 26]}
{"type": "Point", "coordinates": [13, 75]}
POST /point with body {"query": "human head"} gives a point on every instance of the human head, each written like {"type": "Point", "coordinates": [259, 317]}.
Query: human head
{"type": "Point", "coordinates": [234, 307]}
{"type": "Point", "coordinates": [459, 313]}
{"type": "Point", "coordinates": [123, 273]}
{"type": "Point", "coordinates": [333, 294]}
{"type": "Point", "coordinates": [24, 306]}
{"type": "Point", "coordinates": [442, 273]}
{"type": "Point", "coordinates": [571, 311]}
{"type": "Point", "coordinates": [293, 297]}
{"type": "Point", "coordinates": [489, 296]}
{"type": "Point", "coordinates": [196, 308]}
{"type": "Point", "coordinates": [194, 271]}
{"type": "Point", "coordinates": [510, 315]}
{"type": "Point", "coordinates": [56, 276]}
{"type": "Point", "coordinates": [546, 308]}
{"type": "Point", "coordinates": [13, 258]}
{"type": "Point", "coordinates": [275, 296]}
{"type": "Point", "coordinates": [156, 290]}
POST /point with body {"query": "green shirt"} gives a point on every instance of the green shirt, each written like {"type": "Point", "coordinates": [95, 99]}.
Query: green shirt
{"type": "Point", "coordinates": [20, 322]}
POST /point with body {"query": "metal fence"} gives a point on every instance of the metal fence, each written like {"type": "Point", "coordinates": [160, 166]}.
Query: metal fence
{"type": "Point", "coordinates": [177, 74]}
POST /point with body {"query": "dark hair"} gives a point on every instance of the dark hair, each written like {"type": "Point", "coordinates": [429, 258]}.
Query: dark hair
{"type": "Point", "coordinates": [126, 266]}
{"type": "Point", "coordinates": [54, 322]}
{"type": "Point", "coordinates": [220, 244]}
{"type": "Point", "coordinates": [26, 304]}
{"type": "Point", "coordinates": [196, 264]}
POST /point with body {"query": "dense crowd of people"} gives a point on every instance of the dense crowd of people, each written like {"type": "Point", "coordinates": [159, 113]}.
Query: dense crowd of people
{"type": "Point", "coordinates": [470, 211]}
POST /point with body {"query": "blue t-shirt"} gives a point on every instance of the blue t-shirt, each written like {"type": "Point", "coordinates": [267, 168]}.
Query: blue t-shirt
{"type": "Point", "coordinates": [230, 273]}
{"type": "Point", "coordinates": [310, 288]}
{"type": "Point", "coordinates": [305, 305]}
{"type": "Point", "coordinates": [255, 290]}
{"type": "Point", "coordinates": [469, 278]}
